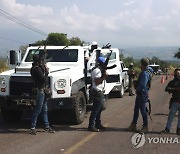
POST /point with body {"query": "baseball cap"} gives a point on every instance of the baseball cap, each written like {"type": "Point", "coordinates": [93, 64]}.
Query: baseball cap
{"type": "Point", "coordinates": [101, 59]}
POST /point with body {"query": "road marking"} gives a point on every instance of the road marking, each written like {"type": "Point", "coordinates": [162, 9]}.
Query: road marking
{"type": "Point", "coordinates": [82, 142]}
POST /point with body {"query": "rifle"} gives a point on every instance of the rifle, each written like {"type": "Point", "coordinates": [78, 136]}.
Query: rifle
{"type": "Point", "coordinates": [105, 67]}
{"type": "Point", "coordinates": [148, 108]}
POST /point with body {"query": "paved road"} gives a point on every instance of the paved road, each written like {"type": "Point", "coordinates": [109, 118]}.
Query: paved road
{"type": "Point", "coordinates": [14, 138]}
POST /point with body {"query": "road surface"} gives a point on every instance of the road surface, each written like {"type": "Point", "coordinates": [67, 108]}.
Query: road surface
{"type": "Point", "coordinates": [15, 137]}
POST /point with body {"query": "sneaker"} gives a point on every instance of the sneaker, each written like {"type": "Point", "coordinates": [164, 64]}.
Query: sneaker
{"type": "Point", "coordinates": [166, 131]}
{"type": "Point", "coordinates": [101, 127]}
{"type": "Point", "coordinates": [49, 130]}
{"type": "Point", "coordinates": [93, 129]}
{"type": "Point", "coordinates": [33, 131]}
{"type": "Point", "coordinates": [132, 127]}
{"type": "Point", "coordinates": [144, 129]}
{"type": "Point", "coordinates": [178, 131]}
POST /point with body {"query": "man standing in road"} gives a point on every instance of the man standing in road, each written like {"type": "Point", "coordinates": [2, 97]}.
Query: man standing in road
{"type": "Point", "coordinates": [131, 74]}
{"type": "Point", "coordinates": [142, 89]}
{"type": "Point", "coordinates": [98, 76]}
{"type": "Point", "coordinates": [173, 87]}
{"type": "Point", "coordinates": [39, 73]}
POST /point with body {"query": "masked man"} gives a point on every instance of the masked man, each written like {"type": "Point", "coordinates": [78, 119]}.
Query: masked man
{"type": "Point", "coordinates": [39, 73]}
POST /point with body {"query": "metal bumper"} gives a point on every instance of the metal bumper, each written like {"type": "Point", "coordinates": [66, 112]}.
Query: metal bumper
{"type": "Point", "coordinates": [21, 103]}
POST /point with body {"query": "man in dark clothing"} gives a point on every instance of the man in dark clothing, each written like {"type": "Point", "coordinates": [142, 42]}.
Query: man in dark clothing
{"type": "Point", "coordinates": [131, 74]}
{"type": "Point", "coordinates": [142, 97]}
{"type": "Point", "coordinates": [39, 73]}
{"type": "Point", "coordinates": [173, 87]}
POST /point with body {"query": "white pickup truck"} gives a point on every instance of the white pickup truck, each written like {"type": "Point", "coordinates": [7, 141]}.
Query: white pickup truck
{"type": "Point", "coordinates": [66, 78]}
{"type": "Point", "coordinates": [118, 79]}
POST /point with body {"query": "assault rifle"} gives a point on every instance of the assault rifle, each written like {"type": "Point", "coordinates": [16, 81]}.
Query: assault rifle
{"type": "Point", "coordinates": [105, 67]}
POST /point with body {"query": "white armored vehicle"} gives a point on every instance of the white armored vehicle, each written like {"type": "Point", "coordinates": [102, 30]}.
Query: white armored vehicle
{"type": "Point", "coordinates": [66, 79]}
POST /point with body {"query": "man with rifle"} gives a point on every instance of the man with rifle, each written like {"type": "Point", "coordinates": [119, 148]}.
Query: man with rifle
{"type": "Point", "coordinates": [173, 88]}
{"type": "Point", "coordinates": [39, 73]}
{"type": "Point", "coordinates": [142, 88]}
{"type": "Point", "coordinates": [98, 75]}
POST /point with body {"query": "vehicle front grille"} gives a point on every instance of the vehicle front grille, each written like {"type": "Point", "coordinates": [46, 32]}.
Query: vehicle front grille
{"type": "Point", "coordinates": [20, 85]}
{"type": "Point", "coordinates": [112, 78]}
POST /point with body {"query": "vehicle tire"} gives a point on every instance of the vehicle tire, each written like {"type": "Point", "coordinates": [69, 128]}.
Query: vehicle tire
{"type": "Point", "coordinates": [11, 115]}
{"type": "Point", "coordinates": [121, 92]}
{"type": "Point", "coordinates": [77, 115]}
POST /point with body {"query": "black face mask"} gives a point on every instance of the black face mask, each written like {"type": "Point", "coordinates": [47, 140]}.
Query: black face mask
{"type": "Point", "coordinates": [177, 77]}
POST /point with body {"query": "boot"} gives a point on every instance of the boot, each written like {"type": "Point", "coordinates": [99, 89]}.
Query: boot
{"type": "Point", "coordinates": [165, 131]}
{"type": "Point", "coordinates": [132, 127]}
{"type": "Point", "coordinates": [178, 131]}
{"type": "Point", "coordinates": [93, 129]}
{"type": "Point", "coordinates": [144, 129]}
{"type": "Point", "coordinates": [100, 127]}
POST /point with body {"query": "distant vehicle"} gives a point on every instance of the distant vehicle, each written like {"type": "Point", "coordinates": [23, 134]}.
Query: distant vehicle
{"type": "Point", "coordinates": [155, 68]}
{"type": "Point", "coordinates": [159, 72]}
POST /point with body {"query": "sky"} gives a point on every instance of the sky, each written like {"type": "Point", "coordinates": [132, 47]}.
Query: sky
{"type": "Point", "coordinates": [122, 23]}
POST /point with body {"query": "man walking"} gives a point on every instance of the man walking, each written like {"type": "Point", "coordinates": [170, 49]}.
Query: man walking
{"type": "Point", "coordinates": [98, 75]}
{"type": "Point", "coordinates": [173, 87]}
{"type": "Point", "coordinates": [39, 73]}
{"type": "Point", "coordinates": [142, 89]}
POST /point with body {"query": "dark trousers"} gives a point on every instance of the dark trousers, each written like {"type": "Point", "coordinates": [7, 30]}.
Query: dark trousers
{"type": "Point", "coordinates": [130, 85]}
{"type": "Point", "coordinates": [98, 102]}
{"type": "Point", "coordinates": [140, 104]}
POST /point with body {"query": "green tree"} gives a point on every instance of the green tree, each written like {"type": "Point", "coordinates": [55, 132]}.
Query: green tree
{"type": "Point", "coordinates": [75, 41]}
{"type": "Point", "coordinates": [3, 65]}
{"type": "Point", "coordinates": [177, 54]}
{"type": "Point", "coordinates": [57, 39]}
{"type": "Point", "coordinates": [128, 60]}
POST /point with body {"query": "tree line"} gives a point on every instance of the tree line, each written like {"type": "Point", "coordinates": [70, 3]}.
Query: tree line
{"type": "Point", "coordinates": [61, 39]}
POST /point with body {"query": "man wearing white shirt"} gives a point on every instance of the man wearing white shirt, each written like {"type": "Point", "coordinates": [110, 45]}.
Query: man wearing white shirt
{"type": "Point", "coordinates": [98, 76]}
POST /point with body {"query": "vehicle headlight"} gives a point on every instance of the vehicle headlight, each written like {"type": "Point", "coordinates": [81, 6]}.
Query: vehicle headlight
{"type": "Point", "coordinates": [2, 82]}
{"type": "Point", "coordinates": [61, 83]}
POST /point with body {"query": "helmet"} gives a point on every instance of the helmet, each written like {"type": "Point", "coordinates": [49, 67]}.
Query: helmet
{"type": "Point", "coordinates": [101, 59]}
{"type": "Point", "coordinates": [131, 64]}
{"type": "Point", "coordinates": [145, 61]}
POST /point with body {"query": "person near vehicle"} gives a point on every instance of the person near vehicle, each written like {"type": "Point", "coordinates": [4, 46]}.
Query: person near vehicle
{"type": "Point", "coordinates": [173, 88]}
{"type": "Point", "coordinates": [143, 86]}
{"type": "Point", "coordinates": [98, 76]}
{"type": "Point", "coordinates": [89, 51]}
{"type": "Point", "coordinates": [39, 73]}
{"type": "Point", "coordinates": [131, 73]}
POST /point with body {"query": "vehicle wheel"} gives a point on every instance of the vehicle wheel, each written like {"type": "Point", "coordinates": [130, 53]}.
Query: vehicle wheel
{"type": "Point", "coordinates": [121, 92]}
{"type": "Point", "coordinates": [77, 115]}
{"type": "Point", "coordinates": [11, 115]}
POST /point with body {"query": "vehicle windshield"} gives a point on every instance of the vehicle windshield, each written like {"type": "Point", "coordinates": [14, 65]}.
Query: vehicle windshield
{"type": "Point", "coordinates": [55, 55]}
{"type": "Point", "coordinates": [113, 55]}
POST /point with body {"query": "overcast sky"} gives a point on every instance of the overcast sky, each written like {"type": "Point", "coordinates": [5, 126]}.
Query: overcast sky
{"type": "Point", "coordinates": [123, 23]}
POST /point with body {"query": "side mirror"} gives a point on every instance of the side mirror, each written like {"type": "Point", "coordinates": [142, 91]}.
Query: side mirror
{"type": "Point", "coordinates": [12, 57]}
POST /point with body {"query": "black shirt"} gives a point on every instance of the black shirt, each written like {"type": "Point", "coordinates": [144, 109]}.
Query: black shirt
{"type": "Point", "coordinates": [38, 76]}
{"type": "Point", "coordinates": [171, 88]}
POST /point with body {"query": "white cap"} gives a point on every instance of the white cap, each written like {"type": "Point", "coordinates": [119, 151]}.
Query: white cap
{"type": "Point", "coordinates": [94, 43]}
{"type": "Point", "coordinates": [131, 64]}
